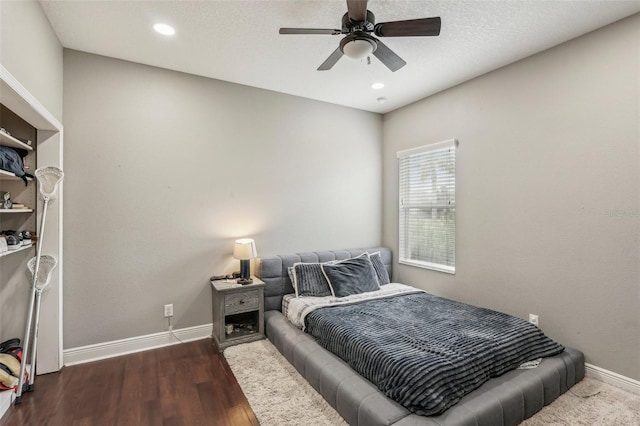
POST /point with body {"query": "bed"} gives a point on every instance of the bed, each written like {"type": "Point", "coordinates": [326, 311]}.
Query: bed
{"type": "Point", "coordinates": [507, 399]}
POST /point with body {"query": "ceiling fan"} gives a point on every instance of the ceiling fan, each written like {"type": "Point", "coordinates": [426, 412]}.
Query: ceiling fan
{"type": "Point", "coordinates": [358, 24]}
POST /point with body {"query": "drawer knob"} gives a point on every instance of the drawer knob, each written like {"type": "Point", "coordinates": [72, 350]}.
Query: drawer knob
{"type": "Point", "coordinates": [241, 301]}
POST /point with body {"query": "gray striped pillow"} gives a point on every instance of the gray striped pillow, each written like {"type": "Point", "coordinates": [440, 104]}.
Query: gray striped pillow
{"type": "Point", "coordinates": [308, 280]}
{"type": "Point", "coordinates": [351, 276]}
{"type": "Point", "coordinates": [381, 270]}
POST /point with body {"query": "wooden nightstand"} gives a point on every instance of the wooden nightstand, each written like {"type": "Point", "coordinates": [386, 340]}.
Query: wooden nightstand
{"type": "Point", "coordinates": [238, 312]}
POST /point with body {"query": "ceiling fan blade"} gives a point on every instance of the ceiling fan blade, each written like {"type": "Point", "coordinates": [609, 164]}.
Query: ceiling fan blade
{"type": "Point", "coordinates": [331, 60]}
{"type": "Point", "coordinates": [388, 57]}
{"type": "Point", "coordinates": [357, 10]}
{"type": "Point", "coordinates": [409, 28]}
{"type": "Point", "coordinates": [309, 31]}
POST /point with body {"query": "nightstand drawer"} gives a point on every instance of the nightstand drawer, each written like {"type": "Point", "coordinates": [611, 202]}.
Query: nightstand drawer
{"type": "Point", "coordinates": [240, 302]}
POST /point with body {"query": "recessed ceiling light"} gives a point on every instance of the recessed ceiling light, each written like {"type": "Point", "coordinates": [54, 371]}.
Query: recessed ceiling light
{"type": "Point", "coordinates": [377, 86]}
{"type": "Point", "coordinates": [164, 29]}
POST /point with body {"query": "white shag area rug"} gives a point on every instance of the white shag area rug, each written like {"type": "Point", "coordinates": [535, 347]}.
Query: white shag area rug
{"type": "Point", "coordinates": [279, 395]}
{"type": "Point", "coordinates": [590, 403]}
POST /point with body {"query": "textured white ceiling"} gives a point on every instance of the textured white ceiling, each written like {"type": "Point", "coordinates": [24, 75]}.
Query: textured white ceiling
{"type": "Point", "coordinates": [238, 41]}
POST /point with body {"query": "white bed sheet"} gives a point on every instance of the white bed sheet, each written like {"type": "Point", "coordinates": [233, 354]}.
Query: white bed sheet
{"type": "Point", "coordinates": [297, 308]}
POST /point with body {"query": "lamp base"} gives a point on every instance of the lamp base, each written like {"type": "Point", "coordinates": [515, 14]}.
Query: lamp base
{"type": "Point", "coordinates": [244, 281]}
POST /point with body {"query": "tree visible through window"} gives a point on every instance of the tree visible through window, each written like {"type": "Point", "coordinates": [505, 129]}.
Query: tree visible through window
{"type": "Point", "coordinates": [428, 206]}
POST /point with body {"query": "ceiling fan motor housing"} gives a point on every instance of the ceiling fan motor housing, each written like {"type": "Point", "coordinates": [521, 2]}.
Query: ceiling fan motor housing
{"type": "Point", "coordinates": [367, 25]}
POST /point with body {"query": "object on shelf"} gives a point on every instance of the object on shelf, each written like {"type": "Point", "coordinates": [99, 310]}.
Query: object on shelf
{"type": "Point", "coordinates": [26, 142]}
{"type": "Point", "coordinates": [247, 324]}
{"type": "Point", "coordinates": [6, 203]}
{"type": "Point", "coordinates": [6, 200]}
{"type": "Point", "coordinates": [13, 242]}
{"type": "Point", "coordinates": [12, 160]}
{"type": "Point", "coordinates": [26, 238]}
{"type": "Point", "coordinates": [16, 239]}
{"type": "Point", "coordinates": [17, 234]}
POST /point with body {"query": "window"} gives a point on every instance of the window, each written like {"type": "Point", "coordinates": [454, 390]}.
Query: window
{"type": "Point", "coordinates": [428, 206]}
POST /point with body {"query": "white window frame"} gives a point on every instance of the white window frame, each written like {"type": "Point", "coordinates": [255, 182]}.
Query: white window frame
{"type": "Point", "coordinates": [404, 240]}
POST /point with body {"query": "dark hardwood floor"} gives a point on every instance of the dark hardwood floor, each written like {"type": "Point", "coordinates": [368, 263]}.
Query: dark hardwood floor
{"type": "Point", "coordinates": [187, 384]}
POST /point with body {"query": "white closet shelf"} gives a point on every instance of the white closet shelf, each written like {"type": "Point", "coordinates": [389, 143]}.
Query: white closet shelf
{"type": "Point", "coordinates": [7, 253]}
{"type": "Point", "coordinates": [16, 210]}
{"type": "Point", "coordinates": [8, 140]}
{"type": "Point", "coordinates": [4, 175]}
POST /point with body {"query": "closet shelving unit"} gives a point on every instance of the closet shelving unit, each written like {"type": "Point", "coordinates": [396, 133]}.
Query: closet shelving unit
{"type": "Point", "coordinates": [45, 150]}
{"type": "Point", "coordinates": [17, 219]}
{"type": "Point", "coordinates": [8, 181]}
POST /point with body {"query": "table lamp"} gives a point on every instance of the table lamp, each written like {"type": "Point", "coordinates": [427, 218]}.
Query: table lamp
{"type": "Point", "coordinates": [245, 250]}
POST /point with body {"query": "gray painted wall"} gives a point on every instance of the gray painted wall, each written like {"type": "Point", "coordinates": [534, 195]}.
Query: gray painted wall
{"type": "Point", "coordinates": [165, 170]}
{"type": "Point", "coordinates": [548, 191]}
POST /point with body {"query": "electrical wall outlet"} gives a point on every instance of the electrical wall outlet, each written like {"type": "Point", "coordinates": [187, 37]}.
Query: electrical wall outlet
{"type": "Point", "coordinates": [533, 319]}
{"type": "Point", "coordinates": [168, 310]}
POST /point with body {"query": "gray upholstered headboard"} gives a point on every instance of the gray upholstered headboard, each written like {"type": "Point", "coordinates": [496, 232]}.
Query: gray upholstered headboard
{"type": "Point", "coordinates": [273, 270]}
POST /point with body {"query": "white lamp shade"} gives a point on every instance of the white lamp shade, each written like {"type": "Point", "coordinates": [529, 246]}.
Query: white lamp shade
{"type": "Point", "coordinates": [357, 49]}
{"type": "Point", "coordinates": [245, 248]}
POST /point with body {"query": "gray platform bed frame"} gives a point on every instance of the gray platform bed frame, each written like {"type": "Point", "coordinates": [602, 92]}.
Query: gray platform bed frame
{"type": "Point", "coordinates": [502, 401]}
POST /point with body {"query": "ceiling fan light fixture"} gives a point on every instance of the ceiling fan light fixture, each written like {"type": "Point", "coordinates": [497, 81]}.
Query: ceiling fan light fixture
{"type": "Point", "coordinates": [358, 46]}
{"type": "Point", "coordinates": [357, 49]}
{"type": "Point", "coordinates": [164, 29]}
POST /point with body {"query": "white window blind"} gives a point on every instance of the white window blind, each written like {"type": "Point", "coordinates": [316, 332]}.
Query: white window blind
{"type": "Point", "coordinates": [428, 206]}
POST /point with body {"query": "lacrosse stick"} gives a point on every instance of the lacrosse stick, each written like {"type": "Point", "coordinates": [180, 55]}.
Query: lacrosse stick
{"type": "Point", "coordinates": [47, 265]}
{"type": "Point", "coordinates": [48, 180]}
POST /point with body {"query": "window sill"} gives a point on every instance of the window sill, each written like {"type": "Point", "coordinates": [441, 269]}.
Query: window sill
{"type": "Point", "coordinates": [428, 265]}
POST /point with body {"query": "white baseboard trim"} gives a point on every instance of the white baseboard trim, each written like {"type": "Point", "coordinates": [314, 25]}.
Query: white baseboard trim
{"type": "Point", "coordinates": [130, 345]}
{"type": "Point", "coordinates": [611, 378]}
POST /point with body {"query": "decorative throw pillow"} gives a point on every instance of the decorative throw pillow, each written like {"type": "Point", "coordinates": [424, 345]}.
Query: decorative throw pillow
{"type": "Point", "coordinates": [308, 280]}
{"type": "Point", "coordinates": [381, 270]}
{"type": "Point", "coordinates": [291, 276]}
{"type": "Point", "coordinates": [351, 276]}
{"type": "Point", "coordinates": [290, 273]}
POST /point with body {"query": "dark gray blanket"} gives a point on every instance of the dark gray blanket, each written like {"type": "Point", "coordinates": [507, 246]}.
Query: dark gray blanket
{"type": "Point", "coordinates": [427, 352]}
